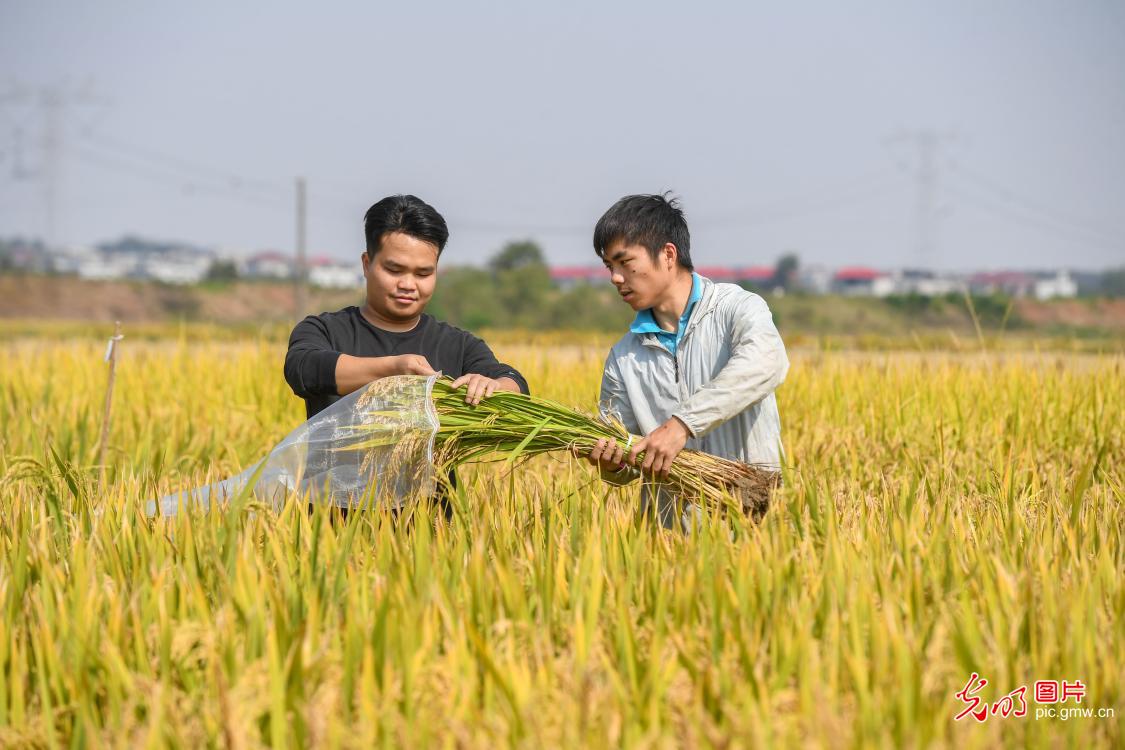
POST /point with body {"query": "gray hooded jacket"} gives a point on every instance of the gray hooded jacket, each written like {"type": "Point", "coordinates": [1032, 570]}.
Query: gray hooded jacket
{"type": "Point", "coordinates": [720, 383]}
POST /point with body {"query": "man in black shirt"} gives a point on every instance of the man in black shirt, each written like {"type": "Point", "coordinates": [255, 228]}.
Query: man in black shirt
{"type": "Point", "coordinates": [332, 354]}
{"type": "Point", "coordinates": [335, 353]}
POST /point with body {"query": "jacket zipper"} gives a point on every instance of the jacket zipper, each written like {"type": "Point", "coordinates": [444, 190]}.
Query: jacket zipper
{"type": "Point", "coordinates": [675, 356]}
{"type": "Point", "coordinates": [675, 360]}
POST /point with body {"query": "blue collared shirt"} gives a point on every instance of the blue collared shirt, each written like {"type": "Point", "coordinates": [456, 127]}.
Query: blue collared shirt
{"type": "Point", "coordinates": [646, 323]}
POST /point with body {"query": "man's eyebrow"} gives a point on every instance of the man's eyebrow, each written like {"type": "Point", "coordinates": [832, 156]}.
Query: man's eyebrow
{"type": "Point", "coordinates": [394, 265]}
{"type": "Point", "coordinates": [618, 255]}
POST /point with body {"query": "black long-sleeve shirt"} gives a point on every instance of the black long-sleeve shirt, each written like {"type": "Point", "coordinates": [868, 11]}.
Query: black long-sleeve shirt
{"type": "Point", "coordinates": [319, 340]}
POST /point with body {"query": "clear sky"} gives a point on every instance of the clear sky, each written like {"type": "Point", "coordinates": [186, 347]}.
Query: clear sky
{"type": "Point", "coordinates": [775, 122]}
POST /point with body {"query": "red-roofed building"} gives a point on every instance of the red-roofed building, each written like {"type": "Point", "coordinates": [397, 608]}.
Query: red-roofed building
{"type": "Point", "coordinates": [268, 264]}
{"type": "Point", "coordinates": [857, 273]}
{"type": "Point", "coordinates": [756, 274]}
{"type": "Point", "coordinates": [1013, 283]}
{"type": "Point", "coordinates": [719, 273]}
{"type": "Point", "coordinates": [331, 273]}
{"type": "Point", "coordinates": [862, 281]}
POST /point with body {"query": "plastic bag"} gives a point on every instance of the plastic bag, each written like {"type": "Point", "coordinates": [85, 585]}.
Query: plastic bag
{"type": "Point", "coordinates": [372, 446]}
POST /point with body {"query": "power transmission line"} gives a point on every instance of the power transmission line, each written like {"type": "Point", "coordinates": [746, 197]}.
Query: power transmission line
{"type": "Point", "coordinates": [1014, 199]}
{"type": "Point", "coordinates": [187, 185]}
{"type": "Point", "coordinates": [189, 167]}
{"type": "Point", "coordinates": [997, 208]}
{"type": "Point", "coordinates": [823, 200]}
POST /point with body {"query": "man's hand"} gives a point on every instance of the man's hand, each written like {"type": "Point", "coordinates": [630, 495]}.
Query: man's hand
{"type": "Point", "coordinates": [661, 446]}
{"type": "Point", "coordinates": [409, 364]}
{"type": "Point", "coordinates": [479, 387]}
{"type": "Point", "coordinates": [607, 455]}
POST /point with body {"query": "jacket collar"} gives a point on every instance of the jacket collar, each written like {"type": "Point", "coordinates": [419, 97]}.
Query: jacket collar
{"type": "Point", "coordinates": [704, 307]}
{"type": "Point", "coordinates": [645, 321]}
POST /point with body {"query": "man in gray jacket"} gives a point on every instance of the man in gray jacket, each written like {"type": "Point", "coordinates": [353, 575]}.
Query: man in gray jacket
{"type": "Point", "coordinates": [699, 365]}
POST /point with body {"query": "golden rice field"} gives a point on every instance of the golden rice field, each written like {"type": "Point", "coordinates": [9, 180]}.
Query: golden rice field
{"type": "Point", "coordinates": [943, 514]}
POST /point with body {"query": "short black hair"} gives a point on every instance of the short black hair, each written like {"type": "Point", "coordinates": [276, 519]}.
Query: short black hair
{"type": "Point", "coordinates": [649, 220]}
{"type": "Point", "coordinates": [408, 214]}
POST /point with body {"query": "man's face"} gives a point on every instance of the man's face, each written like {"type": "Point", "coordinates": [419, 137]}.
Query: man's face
{"type": "Point", "coordinates": [640, 280]}
{"type": "Point", "coordinates": [401, 276]}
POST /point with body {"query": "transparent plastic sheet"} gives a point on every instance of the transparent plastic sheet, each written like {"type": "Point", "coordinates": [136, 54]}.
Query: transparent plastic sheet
{"type": "Point", "coordinates": [372, 446]}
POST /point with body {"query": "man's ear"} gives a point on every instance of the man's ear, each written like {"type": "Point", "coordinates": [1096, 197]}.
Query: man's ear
{"type": "Point", "coordinates": [670, 255]}
{"type": "Point", "coordinates": [365, 261]}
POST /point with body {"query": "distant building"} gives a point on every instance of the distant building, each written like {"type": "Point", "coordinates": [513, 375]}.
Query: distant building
{"type": "Point", "coordinates": [816, 279]}
{"type": "Point", "coordinates": [1011, 283]}
{"type": "Point", "coordinates": [334, 274]}
{"type": "Point", "coordinates": [860, 281]}
{"type": "Point", "coordinates": [762, 277]}
{"type": "Point", "coordinates": [24, 255]}
{"type": "Point", "coordinates": [67, 260]}
{"type": "Point", "coordinates": [1041, 285]}
{"type": "Point", "coordinates": [268, 264]}
{"type": "Point", "coordinates": [925, 282]}
{"type": "Point", "coordinates": [100, 266]}
{"type": "Point", "coordinates": [176, 267]}
{"type": "Point", "coordinates": [137, 258]}
{"type": "Point", "coordinates": [1059, 285]}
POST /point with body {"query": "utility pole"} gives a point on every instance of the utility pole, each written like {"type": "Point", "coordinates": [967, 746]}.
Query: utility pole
{"type": "Point", "coordinates": [300, 267]}
{"type": "Point", "coordinates": [927, 145]}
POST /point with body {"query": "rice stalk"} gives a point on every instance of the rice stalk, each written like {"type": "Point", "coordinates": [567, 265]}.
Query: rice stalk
{"type": "Point", "coordinates": [513, 427]}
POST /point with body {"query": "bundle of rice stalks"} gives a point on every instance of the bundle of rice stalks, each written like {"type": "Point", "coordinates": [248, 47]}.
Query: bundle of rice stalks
{"type": "Point", "coordinates": [512, 427]}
